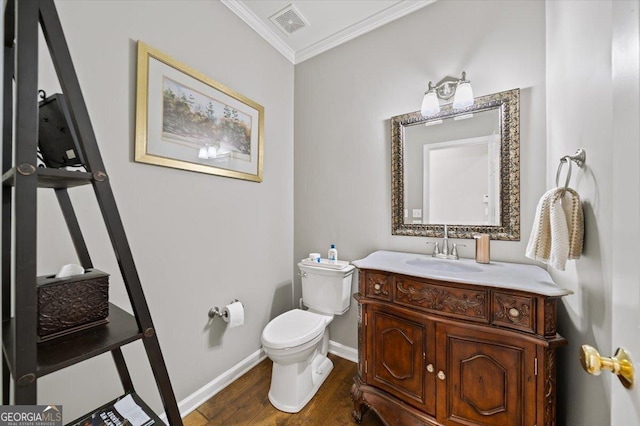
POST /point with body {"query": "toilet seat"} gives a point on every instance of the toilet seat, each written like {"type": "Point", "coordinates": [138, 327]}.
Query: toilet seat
{"type": "Point", "coordinates": [293, 328]}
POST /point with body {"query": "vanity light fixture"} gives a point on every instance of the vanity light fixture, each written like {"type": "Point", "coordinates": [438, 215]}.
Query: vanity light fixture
{"type": "Point", "coordinates": [448, 87]}
{"type": "Point", "coordinates": [430, 103]}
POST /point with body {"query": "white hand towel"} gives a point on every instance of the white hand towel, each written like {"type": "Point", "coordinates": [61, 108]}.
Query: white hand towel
{"type": "Point", "coordinates": [575, 223]}
{"type": "Point", "coordinates": [539, 246]}
{"type": "Point", "coordinates": [558, 228]}
{"type": "Point", "coordinates": [559, 231]}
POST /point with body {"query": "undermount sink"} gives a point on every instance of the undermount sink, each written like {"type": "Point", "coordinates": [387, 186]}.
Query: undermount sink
{"type": "Point", "coordinates": [437, 265]}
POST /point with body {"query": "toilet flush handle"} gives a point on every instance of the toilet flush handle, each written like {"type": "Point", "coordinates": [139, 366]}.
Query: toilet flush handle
{"type": "Point", "coordinates": [302, 274]}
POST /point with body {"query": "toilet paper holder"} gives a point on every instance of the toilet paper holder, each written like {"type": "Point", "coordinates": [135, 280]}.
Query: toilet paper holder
{"type": "Point", "coordinates": [216, 312]}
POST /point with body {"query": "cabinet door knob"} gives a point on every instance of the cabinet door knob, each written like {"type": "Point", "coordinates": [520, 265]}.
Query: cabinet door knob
{"type": "Point", "coordinates": [430, 368]}
{"type": "Point", "coordinates": [441, 375]}
{"type": "Point", "coordinates": [376, 288]}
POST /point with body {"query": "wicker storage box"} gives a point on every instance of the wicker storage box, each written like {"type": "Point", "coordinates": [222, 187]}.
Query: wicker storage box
{"type": "Point", "coordinates": [70, 304]}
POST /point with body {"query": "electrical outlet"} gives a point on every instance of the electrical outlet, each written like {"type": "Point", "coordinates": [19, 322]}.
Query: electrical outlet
{"type": "Point", "coordinates": [417, 212]}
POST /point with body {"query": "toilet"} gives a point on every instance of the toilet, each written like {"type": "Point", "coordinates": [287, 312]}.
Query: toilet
{"type": "Point", "coordinates": [297, 341]}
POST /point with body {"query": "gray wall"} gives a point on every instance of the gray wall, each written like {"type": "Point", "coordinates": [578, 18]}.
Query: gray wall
{"type": "Point", "coordinates": [192, 234]}
{"type": "Point", "coordinates": [580, 115]}
{"type": "Point", "coordinates": [198, 240]}
{"type": "Point", "coordinates": [345, 97]}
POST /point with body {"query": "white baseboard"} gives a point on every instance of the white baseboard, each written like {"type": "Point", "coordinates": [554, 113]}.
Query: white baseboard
{"type": "Point", "coordinates": [343, 351]}
{"type": "Point", "coordinates": [203, 394]}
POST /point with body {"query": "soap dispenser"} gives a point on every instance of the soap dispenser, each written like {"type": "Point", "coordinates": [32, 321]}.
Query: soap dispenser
{"type": "Point", "coordinates": [482, 248]}
{"type": "Point", "coordinates": [332, 255]}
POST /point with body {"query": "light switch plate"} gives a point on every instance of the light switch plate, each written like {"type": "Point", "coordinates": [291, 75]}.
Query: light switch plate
{"type": "Point", "coordinates": [417, 213]}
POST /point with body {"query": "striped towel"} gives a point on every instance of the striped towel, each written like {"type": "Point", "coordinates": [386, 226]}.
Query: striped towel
{"type": "Point", "coordinates": [558, 229]}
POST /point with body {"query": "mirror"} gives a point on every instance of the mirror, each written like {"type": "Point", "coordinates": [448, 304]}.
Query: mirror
{"type": "Point", "coordinates": [460, 168]}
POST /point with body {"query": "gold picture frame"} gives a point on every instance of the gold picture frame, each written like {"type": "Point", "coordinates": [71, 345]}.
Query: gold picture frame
{"type": "Point", "coordinates": [189, 121]}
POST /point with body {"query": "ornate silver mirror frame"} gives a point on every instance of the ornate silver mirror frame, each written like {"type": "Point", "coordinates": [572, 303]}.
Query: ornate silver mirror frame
{"type": "Point", "coordinates": [508, 105]}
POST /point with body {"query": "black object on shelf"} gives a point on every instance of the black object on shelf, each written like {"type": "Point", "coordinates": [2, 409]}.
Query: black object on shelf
{"type": "Point", "coordinates": [57, 138]}
{"type": "Point", "coordinates": [109, 414]}
{"type": "Point", "coordinates": [71, 304]}
{"type": "Point", "coordinates": [24, 360]}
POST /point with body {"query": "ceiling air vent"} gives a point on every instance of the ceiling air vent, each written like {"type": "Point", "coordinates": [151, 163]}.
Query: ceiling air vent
{"type": "Point", "coordinates": [289, 20]}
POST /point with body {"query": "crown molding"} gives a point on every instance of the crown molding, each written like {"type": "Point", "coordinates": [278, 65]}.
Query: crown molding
{"type": "Point", "coordinates": [271, 36]}
{"type": "Point", "coordinates": [239, 8]}
{"type": "Point", "coordinates": [381, 18]}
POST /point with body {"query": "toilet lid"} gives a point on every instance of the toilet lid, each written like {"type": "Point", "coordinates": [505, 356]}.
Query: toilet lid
{"type": "Point", "coordinates": [293, 328]}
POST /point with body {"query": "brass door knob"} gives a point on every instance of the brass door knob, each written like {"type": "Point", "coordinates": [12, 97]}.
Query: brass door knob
{"type": "Point", "coordinates": [619, 364]}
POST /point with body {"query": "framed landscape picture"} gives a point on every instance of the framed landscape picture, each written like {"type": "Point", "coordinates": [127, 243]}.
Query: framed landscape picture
{"type": "Point", "coordinates": [189, 121]}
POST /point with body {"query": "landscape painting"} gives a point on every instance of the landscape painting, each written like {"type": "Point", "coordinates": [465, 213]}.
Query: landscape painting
{"type": "Point", "coordinates": [187, 120]}
{"type": "Point", "coordinates": [190, 117]}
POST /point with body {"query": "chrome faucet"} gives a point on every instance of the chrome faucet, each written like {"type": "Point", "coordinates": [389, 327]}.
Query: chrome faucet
{"type": "Point", "coordinates": [446, 253]}
{"type": "Point", "coordinates": [436, 248]}
{"type": "Point", "coordinates": [445, 243]}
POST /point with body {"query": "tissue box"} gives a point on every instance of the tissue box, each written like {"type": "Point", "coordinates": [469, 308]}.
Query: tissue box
{"type": "Point", "coordinates": [70, 304]}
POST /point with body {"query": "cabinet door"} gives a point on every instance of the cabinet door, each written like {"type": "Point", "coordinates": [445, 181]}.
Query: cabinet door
{"type": "Point", "coordinates": [398, 346]}
{"type": "Point", "coordinates": [484, 377]}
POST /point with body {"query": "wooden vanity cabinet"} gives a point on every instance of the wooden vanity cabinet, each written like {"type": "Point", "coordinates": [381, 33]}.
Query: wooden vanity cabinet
{"type": "Point", "coordinates": [485, 378]}
{"type": "Point", "coordinates": [398, 343]}
{"type": "Point", "coordinates": [440, 353]}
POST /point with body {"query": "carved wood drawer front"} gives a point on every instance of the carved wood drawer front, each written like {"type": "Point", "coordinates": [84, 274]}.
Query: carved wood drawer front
{"type": "Point", "coordinates": [449, 301]}
{"type": "Point", "coordinates": [517, 312]}
{"type": "Point", "coordinates": [378, 286]}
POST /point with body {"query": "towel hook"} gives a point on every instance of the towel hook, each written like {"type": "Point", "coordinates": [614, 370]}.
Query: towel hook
{"type": "Point", "coordinates": [579, 158]}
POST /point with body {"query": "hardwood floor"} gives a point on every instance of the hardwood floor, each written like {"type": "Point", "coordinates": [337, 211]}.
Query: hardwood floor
{"type": "Point", "coordinates": [245, 402]}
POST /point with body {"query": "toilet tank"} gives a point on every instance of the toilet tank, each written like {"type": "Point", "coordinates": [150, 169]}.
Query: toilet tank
{"type": "Point", "coordinates": [326, 290]}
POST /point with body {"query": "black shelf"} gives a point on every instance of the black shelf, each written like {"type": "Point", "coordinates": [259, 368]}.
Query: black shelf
{"type": "Point", "coordinates": [84, 419]}
{"type": "Point", "coordinates": [52, 178]}
{"type": "Point", "coordinates": [23, 356]}
{"type": "Point", "coordinates": [62, 352]}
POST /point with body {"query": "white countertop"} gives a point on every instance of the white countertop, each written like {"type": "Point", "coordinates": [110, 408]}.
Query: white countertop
{"type": "Point", "coordinates": [514, 276]}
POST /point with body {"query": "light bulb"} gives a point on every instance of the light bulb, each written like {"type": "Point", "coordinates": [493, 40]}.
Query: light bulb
{"type": "Point", "coordinates": [203, 153]}
{"type": "Point", "coordinates": [464, 96]}
{"type": "Point", "coordinates": [430, 104]}
{"type": "Point", "coordinates": [212, 152]}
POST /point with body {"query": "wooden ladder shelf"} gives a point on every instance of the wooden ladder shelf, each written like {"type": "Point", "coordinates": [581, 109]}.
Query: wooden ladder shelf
{"type": "Point", "coordinates": [24, 359]}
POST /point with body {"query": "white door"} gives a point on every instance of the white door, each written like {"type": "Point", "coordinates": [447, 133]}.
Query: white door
{"type": "Point", "coordinates": [625, 403]}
